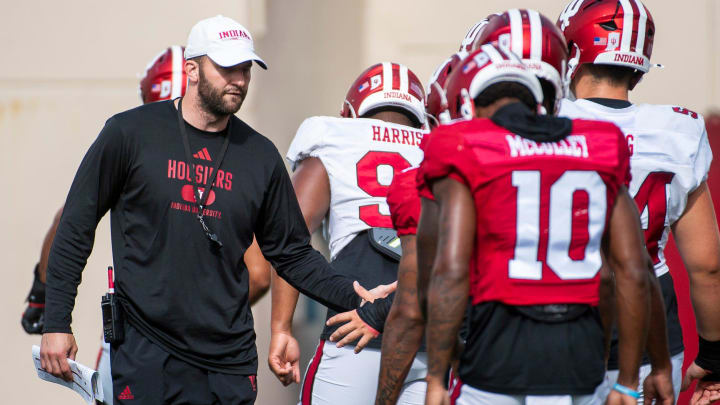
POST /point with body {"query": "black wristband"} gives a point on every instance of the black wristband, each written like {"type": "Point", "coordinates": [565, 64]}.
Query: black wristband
{"type": "Point", "coordinates": [709, 358]}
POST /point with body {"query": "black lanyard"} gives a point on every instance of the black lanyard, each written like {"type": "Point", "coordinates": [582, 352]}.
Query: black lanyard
{"type": "Point", "coordinates": [201, 200]}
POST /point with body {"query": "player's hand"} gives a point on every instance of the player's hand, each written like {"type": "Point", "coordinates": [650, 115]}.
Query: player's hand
{"type": "Point", "coordinates": [284, 358]}
{"type": "Point", "coordinates": [658, 387]}
{"type": "Point", "coordinates": [437, 393]}
{"type": "Point", "coordinates": [381, 291]}
{"type": "Point", "coordinates": [33, 319]}
{"type": "Point", "coordinates": [55, 349]}
{"type": "Point", "coordinates": [616, 398]}
{"type": "Point", "coordinates": [706, 392]}
{"type": "Point", "coordinates": [352, 330]}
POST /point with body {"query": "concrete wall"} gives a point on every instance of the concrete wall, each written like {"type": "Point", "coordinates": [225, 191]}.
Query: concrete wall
{"type": "Point", "coordinates": [67, 66]}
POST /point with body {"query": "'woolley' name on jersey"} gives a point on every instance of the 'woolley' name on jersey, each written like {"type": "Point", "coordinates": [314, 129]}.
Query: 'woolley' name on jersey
{"type": "Point", "coordinates": [395, 135]}
{"type": "Point", "coordinates": [573, 145]}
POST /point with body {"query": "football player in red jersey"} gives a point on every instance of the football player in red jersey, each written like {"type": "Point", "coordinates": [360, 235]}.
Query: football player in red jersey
{"type": "Point", "coordinates": [164, 79]}
{"type": "Point", "coordinates": [544, 52]}
{"type": "Point", "coordinates": [530, 206]}
{"type": "Point", "coordinates": [342, 170]}
{"type": "Point", "coordinates": [610, 43]}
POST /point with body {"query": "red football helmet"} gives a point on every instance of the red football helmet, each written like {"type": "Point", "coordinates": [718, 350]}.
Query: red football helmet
{"type": "Point", "coordinates": [608, 32]}
{"type": "Point", "coordinates": [536, 40]}
{"type": "Point", "coordinates": [468, 43]}
{"type": "Point", "coordinates": [385, 85]}
{"type": "Point", "coordinates": [436, 104]}
{"type": "Point", "coordinates": [484, 67]}
{"type": "Point", "coordinates": [164, 77]}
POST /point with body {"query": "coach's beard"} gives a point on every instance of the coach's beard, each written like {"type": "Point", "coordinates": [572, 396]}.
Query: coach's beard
{"type": "Point", "coordinates": [212, 99]}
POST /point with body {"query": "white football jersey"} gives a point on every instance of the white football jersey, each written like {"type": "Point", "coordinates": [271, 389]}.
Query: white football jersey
{"type": "Point", "coordinates": [360, 156]}
{"type": "Point", "coordinates": [669, 158]}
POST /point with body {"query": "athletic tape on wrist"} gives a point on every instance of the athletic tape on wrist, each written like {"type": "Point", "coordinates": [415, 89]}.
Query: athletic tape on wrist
{"type": "Point", "coordinates": [626, 391]}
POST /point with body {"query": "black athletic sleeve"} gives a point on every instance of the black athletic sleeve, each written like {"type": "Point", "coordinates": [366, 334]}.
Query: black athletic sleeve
{"type": "Point", "coordinates": [285, 242]}
{"type": "Point", "coordinates": [375, 314]}
{"type": "Point", "coordinates": [94, 190]}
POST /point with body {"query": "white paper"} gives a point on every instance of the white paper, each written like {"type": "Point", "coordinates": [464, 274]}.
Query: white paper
{"type": "Point", "coordinates": [86, 381]}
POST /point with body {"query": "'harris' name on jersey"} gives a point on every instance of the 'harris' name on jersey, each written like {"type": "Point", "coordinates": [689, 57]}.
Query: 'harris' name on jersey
{"type": "Point", "coordinates": [396, 135]}
{"type": "Point", "coordinates": [572, 145]}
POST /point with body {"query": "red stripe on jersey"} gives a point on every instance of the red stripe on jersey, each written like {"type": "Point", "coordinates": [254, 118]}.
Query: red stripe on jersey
{"type": "Point", "coordinates": [310, 376]}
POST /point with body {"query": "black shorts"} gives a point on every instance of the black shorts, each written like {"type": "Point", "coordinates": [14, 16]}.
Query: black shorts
{"type": "Point", "coordinates": [362, 262]}
{"type": "Point", "coordinates": [509, 353]}
{"type": "Point", "coordinates": [143, 373]}
{"type": "Point", "coordinates": [674, 329]}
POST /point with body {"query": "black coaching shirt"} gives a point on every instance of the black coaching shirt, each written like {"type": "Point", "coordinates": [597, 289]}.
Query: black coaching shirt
{"type": "Point", "coordinates": [177, 291]}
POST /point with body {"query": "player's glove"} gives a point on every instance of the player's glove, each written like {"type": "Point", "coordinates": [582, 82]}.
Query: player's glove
{"type": "Point", "coordinates": [33, 318]}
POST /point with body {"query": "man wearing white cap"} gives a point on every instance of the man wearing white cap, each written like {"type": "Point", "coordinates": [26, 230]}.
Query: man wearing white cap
{"type": "Point", "coordinates": [188, 184]}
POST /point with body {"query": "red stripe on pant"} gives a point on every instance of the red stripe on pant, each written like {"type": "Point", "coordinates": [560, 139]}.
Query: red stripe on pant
{"type": "Point", "coordinates": [310, 376]}
{"type": "Point", "coordinates": [99, 356]}
{"type": "Point", "coordinates": [455, 393]}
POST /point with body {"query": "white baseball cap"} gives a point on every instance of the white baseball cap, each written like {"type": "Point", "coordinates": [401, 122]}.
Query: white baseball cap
{"type": "Point", "coordinates": [224, 40]}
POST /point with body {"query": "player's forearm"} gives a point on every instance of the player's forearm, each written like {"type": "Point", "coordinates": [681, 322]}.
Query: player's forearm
{"type": "Point", "coordinates": [47, 244]}
{"type": "Point", "coordinates": [258, 289]}
{"type": "Point", "coordinates": [633, 309]}
{"type": "Point", "coordinates": [606, 306]}
{"type": "Point", "coordinates": [698, 240]}
{"type": "Point", "coordinates": [704, 287]}
{"type": "Point", "coordinates": [259, 272]}
{"type": "Point", "coordinates": [447, 301]}
{"type": "Point", "coordinates": [657, 340]}
{"type": "Point", "coordinates": [402, 338]}
{"type": "Point", "coordinates": [426, 248]}
{"type": "Point", "coordinates": [284, 301]}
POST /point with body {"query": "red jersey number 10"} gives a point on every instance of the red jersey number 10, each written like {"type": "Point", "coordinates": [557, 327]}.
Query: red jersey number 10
{"type": "Point", "coordinates": [367, 180]}
{"type": "Point", "coordinates": [565, 230]}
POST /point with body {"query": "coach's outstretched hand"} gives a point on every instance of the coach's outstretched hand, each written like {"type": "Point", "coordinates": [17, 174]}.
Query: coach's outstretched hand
{"type": "Point", "coordinates": [381, 291]}
{"type": "Point", "coordinates": [55, 349]}
{"type": "Point", "coordinates": [284, 358]}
